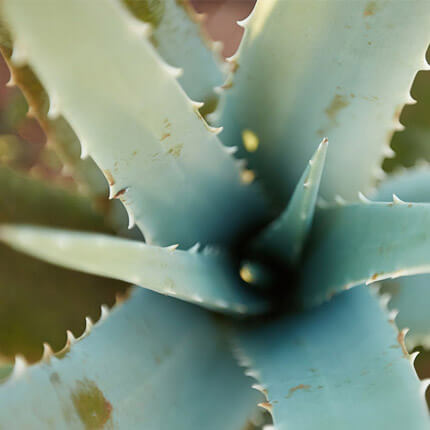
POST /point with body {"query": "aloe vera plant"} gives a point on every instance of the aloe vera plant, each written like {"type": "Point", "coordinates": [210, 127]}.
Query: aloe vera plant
{"type": "Point", "coordinates": [260, 232]}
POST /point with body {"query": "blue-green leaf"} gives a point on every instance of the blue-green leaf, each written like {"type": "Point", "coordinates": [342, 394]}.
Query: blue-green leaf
{"type": "Point", "coordinates": [284, 238]}
{"type": "Point", "coordinates": [130, 114]}
{"type": "Point", "coordinates": [179, 38]}
{"type": "Point", "coordinates": [364, 242]}
{"type": "Point", "coordinates": [155, 363]}
{"type": "Point", "coordinates": [412, 185]}
{"type": "Point", "coordinates": [410, 295]}
{"type": "Point", "coordinates": [313, 69]}
{"type": "Point", "coordinates": [207, 278]}
{"type": "Point", "coordinates": [337, 367]}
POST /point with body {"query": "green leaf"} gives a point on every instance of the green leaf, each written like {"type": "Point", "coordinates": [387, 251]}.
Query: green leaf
{"type": "Point", "coordinates": [313, 69]}
{"type": "Point", "coordinates": [284, 238]}
{"type": "Point", "coordinates": [137, 369]}
{"type": "Point", "coordinates": [207, 278]}
{"type": "Point", "coordinates": [340, 366]}
{"type": "Point", "coordinates": [410, 295]}
{"type": "Point", "coordinates": [39, 302]}
{"type": "Point", "coordinates": [364, 242]}
{"type": "Point", "coordinates": [161, 158]}
{"type": "Point", "coordinates": [179, 38]}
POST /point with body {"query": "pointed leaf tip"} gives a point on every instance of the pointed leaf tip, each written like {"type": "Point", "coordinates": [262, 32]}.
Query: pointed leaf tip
{"type": "Point", "coordinates": [284, 238]}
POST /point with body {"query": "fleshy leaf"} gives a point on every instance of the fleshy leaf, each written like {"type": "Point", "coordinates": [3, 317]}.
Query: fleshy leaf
{"type": "Point", "coordinates": [342, 366]}
{"type": "Point", "coordinates": [38, 301]}
{"type": "Point", "coordinates": [207, 278]}
{"type": "Point", "coordinates": [410, 295]}
{"type": "Point", "coordinates": [301, 76]}
{"type": "Point", "coordinates": [352, 244]}
{"type": "Point", "coordinates": [179, 38]}
{"type": "Point", "coordinates": [137, 369]}
{"type": "Point", "coordinates": [159, 155]}
{"type": "Point", "coordinates": [284, 238]}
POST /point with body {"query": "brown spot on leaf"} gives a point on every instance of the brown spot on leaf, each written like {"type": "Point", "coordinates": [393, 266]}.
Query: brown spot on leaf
{"type": "Point", "coordinates": [401, 340]}
{"type": "Point", "coordinates": [91, 405]}
{"type": "Point", "coordinates": [291, 391]}
{"type": "Point", "coordinates": [175, 150]}
{"type": "Point", "coordinates": [109, 177]}
{"type": "Point", "coordinates": [165, 136]}
{"type": "Point", "coordinates": [266, 405]}
{"type": "Point", "coordinates": [370, 9]}
{"type": "Point", "coordinates": [120, 193]}
{"type": "Point", "coordinates": [338, 103]}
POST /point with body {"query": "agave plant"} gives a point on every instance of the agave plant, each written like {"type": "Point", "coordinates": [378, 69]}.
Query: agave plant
{"type": "Point", "coordinates": [274, 254]}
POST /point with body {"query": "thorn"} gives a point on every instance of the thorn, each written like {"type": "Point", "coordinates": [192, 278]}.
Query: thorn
{"type": "Point", "coordinates": [266, 405]}
{"type": "Point", "coordinates": [217, 46]}
{"type": "Point", "coordinates": [71, 339]}
{"type": "Point", "coordinates": [172, 248]}
{"type": "Point", "coordinates": [425, 383]}
{"type": "Point", "coordinates": [47, 353]}
{"type": "Point", "coordinates": [214, 130]}
{"type": "Point", "coordinates": [195, 248]}
{"type": "Point", "coordinates": [397, 201]}
{"type": "Point", "coordinates": [131, 219]}
{"type": "Point", "coordinates": [88, 326]}
{"type": "Point", "coordinates": [231, 150]}
{"type": "Point", "coordinates": [175, 72]}
{"type": "Point", "coordinates": [363, 198]}
{"type": "Point", "coordinates": [104, 313]}
{"type": "Point", "coordinates": [19, 56]}
{"type": "Point", "coordinates": [197, 105]}
{"type": "Point", "coordinates": [388, 152]}
{"type": "Point", "coordinates": [19, 367]}
{"type": "Point", "coordinates": [54, 107]}
{"type": "Point", "coordinates": [140, 28]}
{"type": "Point", "coordinates": [413, 356]}
{"type": "Point", "coordinates": [252, 373]}
{"type": "Point", "coordinates": [339, 200]}
{"type": "Point", "coordinates": [31, 112]}
{"type": "Point", "coordinates": [11, 82]}
{"type": "Point", "coordinates": [84, 152]}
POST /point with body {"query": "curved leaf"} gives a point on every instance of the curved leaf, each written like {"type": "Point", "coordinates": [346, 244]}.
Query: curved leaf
{"type": "Point", "coordinates": [161, 158]}
{"type": "Point", "coordinates": [39, 302]}
{"type": "Point", "coordinates": [308, 70]}
{"type": "Point", "coordinates": [364, 242]}
{"type": "Point", "coordinates": [410, 295]}
{"type": "Point", "coordinates": [179, 38]}
{"type": "Point", "coordinates": [137, 369]}
{"type": "Point", "coordinates": [340, 366]}
{"type": "Point", "coordinates": [206, 278]}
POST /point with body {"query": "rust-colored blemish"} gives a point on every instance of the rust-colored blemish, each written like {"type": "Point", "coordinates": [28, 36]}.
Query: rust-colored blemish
{"type": "Point", "coordinates": [266, 405]}
{"type": "Point", "coordinates": [93, 408]}
{"type": "Point", "coordinates": [109, 177]}
{"type": "Point", "coordinates": [370, 9]}
{"type": "Point", "coordinates": [374, 276]}
{"type": "Point", "coordinates": [338, 103]}
{"type": "Point", "coordinates": [175, 150]}
{"type": "Point", "coordinates": [227, 85]}
{"type": "Point", "coordinates": [165, 136]}
{"type": "Point", "coordinates": [291, 391]}
{"type": "Point", "coordinates": [120, 193]}
{"type": "Point", "coordinates": [409, 205]}
{"type": "Point", "coordinates": [234, 66]}
{"type": "Point", "coordinates": [167, 123]}
{"type": "Point", "coordinates": [401, 340]}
